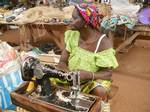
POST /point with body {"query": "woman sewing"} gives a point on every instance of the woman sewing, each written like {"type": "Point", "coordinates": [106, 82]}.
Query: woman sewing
{"type": "Point", "coordinates": [89, 51]}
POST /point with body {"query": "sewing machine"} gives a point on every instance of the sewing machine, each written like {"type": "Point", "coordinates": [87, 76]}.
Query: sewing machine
{"type": "Point", "coordinates": [55, 98]}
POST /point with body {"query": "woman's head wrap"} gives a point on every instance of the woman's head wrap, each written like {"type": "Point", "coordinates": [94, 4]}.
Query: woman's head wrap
{"type": "Point", "coordinates": [90, 13]}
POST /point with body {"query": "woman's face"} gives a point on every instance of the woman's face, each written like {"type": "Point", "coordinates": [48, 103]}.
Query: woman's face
{"type": "Point", "coordinates": [77, 21]}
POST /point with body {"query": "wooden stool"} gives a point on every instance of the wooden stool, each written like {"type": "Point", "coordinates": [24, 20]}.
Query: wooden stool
{"type": "Point", "coordinates": [113, 92]}
{"type": "Point", "coordinates": [109, 95]}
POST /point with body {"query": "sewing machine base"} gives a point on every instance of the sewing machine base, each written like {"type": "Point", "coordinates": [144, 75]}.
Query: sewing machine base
{"type": "Point", "coordinates": [62, 99]}
{"type": "Point", "coordinates": [59, 100]}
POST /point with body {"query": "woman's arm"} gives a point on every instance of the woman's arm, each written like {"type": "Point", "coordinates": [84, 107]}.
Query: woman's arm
{"type": "Point", "coordinates": [63, 63]}
{"type": "Point", "coordinates": [103, 74]}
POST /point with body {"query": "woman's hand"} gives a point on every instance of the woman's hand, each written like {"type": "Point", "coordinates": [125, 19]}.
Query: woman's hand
{"type": "Point", "coordinates": [85, 75]}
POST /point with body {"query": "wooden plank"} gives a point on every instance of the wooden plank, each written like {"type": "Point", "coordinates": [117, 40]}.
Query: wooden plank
{"type": "Point", "coordinates": [55, 27]}
{"type": "Point", "coordinates": [145, 28]}
{"type": "Point", "coordinates": [127, 41]}
{"type": "Point", "coordinates": [9, 23]}
{"type": "Point", "coordinates": [51, 24]}
{"type": "Point", "coordinates": [145, 33]}
{"type": "Point", "coordinates": [35, 23]}
{"type": "Point", "coordinates": [97, 105]}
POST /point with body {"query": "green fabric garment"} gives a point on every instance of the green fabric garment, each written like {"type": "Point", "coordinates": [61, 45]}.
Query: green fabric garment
{"type": "Point", "coordinates": [81, 59]}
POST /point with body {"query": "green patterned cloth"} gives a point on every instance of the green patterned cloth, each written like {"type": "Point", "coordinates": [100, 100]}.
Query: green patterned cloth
{"type": "Point", "coordinates": [81, 59]}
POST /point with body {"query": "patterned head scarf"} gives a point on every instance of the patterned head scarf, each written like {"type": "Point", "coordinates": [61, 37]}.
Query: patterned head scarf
{"type": "Point", "coordinates": [90, 14]}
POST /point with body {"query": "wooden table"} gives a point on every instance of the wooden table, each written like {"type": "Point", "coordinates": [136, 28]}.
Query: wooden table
{"type": "Point", "coordinates": [26, 31]}
{"type": "Point", "coordinates": [138, 30]}
{"type": "Point", "coordinates": [52, 29]}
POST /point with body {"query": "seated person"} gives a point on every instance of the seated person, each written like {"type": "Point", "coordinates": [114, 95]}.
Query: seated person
{"type": "Point", "coordinates": [88, 51]}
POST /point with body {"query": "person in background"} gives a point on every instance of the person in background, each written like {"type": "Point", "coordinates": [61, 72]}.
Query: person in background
{"type": "Point", "coordinates": [90, 52]}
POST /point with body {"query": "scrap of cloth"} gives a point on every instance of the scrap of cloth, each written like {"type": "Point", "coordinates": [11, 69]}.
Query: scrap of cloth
{"type": "Point", "coordinates": [112, 22]}
{"type": "Point", "coordinates": [90, 13]}
{"type": "Point", "coordinates": [8, 83]}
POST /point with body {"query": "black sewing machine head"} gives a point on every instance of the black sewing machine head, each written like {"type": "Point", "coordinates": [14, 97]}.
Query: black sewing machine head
{"type": "Point", "coordinates": [28, 66]}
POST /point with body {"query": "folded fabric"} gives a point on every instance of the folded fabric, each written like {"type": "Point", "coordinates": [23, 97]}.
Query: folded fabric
{"type": "Point", "coordinates": [112, 22]}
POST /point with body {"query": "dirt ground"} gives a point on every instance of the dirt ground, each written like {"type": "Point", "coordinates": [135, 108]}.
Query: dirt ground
{"type": "Point", "coordinates": [132, 77]}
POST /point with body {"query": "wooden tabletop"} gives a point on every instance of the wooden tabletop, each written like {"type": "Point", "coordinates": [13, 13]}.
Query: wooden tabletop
{"type": "Point", "coordinates": [141, 27]}
{"type": "Point", "coordinates": [35, 23]}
